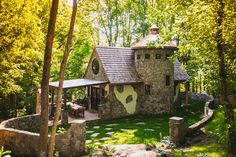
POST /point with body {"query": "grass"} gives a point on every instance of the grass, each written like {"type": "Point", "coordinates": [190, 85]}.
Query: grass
{"type": "Point", "coordinates": [138, 129]}
{"type": "Point", "coordinates": [202, 150]}
{"type": "Point", "coordinates": [215, 148]}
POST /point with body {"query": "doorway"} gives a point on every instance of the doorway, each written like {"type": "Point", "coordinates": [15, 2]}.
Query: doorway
{"type": "Point", "coordinates": [95, 98]}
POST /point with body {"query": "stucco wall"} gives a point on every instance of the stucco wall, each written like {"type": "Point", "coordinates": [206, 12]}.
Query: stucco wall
{"type": "Point", "coordinates": [154, 71]}
{"type": "Point", "coordinates": [127, 97]}
{"type": "Point", "coordinates": [25, 143]}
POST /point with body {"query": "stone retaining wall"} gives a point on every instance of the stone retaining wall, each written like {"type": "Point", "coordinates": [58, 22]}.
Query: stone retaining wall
{"type": "Point", "coordinates": [176, 124]}
{"type": "Point", "coordinates": [25, 143]}
{"type": "Point", "coordinates": [208, 112]}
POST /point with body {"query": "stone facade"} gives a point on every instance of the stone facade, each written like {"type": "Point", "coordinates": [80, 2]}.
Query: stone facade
{"type": "Point", "coordinates": [26, 143]}
{"type": "Point", "coordinates": [101, 76]}
{"type": "Point", "coordinates": [154, 71]}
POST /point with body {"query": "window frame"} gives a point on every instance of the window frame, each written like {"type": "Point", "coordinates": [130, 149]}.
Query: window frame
{"type": "Point", "coordinates": [159, 56]}
{"type": "Point", "coordinates": [147, 89]}
{"type": "Point", "coordinates": [167, 80]}
{"type": "Point", "coordinates": [138, 56]}
{"type": "Point", "coordinates": [147, 56]}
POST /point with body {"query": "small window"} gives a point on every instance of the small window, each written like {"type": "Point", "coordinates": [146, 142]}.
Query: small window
{"type": "Point", "coordinates": [167, 80]}
{"type": "Point", "coordinates": [138, 56]}
{"type": "Point", "coordinates": [147, 89]}
{"type": "Point", "coordinates": [158, 56]}
{"type": "Point", "coordinates": [147, 56]}
{"type": "Point", "coordinates": [167, 56]}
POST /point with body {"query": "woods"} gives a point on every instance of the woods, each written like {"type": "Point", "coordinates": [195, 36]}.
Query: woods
{"type": "Point", "coordinates": [30, 58]}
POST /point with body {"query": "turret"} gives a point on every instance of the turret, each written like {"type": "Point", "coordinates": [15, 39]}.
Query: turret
{"type": "Point", "coordinates": [156, 70]}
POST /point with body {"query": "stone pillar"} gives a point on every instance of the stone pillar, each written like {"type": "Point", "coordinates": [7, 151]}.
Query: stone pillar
{"type": "Point", "coordinates": [176, 130]}
{"type": "Point", "coordinates": [64, 117]}
{"type": "Point", "coordinates": [78, 139]}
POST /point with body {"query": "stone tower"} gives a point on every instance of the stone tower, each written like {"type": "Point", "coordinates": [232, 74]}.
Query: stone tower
{"type": "Point", "coordinates": [157, 72]}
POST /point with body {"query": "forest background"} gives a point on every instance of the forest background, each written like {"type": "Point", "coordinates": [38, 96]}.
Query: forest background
{"type": "Point", "coordinates": [23, 28]}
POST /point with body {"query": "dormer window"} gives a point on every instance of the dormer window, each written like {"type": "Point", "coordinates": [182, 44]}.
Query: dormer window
{"type": "Point", "coordinates": [138, 56]}
{"type": "Point", "coordinates": [147, 56]}
{"type": "Point", "coordinates": [158, 56]}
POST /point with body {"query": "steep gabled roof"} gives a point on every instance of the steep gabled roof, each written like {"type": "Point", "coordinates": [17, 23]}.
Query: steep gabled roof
{"type": "Point", "coordinates": [118, 64]}
{"type": "Point", "coordinates": [179, 75]}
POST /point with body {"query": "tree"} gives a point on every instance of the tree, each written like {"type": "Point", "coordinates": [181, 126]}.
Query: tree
{"type": "Point", "coordinates": [205, 32]}
{"type": "Point", "coordinates": [45, 80]}
{"type": "Point", "coordinates": [62, 73]}
{"type": "Point", "coordinates": [20, 51]}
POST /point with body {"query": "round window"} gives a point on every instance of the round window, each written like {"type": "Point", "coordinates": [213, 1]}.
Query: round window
{"type": "Point", "coordinates": [95, 66]}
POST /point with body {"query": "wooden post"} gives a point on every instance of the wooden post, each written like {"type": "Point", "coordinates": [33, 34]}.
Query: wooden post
{"type": "Point", "coordinates": [110, 97]}
{"type": "Point", "coordinates": [89, 97]}
{"type": "Point", "coordinates": [65, 97]}
{"type": "Point", "coordinates": [38, 101]}
{"type": "Point", "coordinates": [52, 103]}
{"type": "Point", "coordinates": [186, 93]}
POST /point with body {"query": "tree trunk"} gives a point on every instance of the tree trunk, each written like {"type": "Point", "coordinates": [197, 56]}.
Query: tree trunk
{"type": "Point", "coordinates": [45, 81]}
{"type": "Point", "coordinates": [13, 105]}
{"type": "Point", "coordinates": [229, 112]}
{"type": "Point", "coordinates": [61, 79]}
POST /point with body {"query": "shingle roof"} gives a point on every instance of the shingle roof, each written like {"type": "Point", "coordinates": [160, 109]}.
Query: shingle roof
{"type": "Point", "coordinates": [118, 64]}
{"type": "Point", "coordinates": [179, 75]}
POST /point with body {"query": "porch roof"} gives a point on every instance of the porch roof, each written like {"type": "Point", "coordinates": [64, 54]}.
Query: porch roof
{"type": "Point", "coordinates": [76, 83]}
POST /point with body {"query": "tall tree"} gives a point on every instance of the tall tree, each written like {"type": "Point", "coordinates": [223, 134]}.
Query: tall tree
{"type": "Point", "coordinates": [205, 31]}
{"type": "Point", "coordinates": [45, 80]}
{"type": "Point", "coordinates": [61, 79]}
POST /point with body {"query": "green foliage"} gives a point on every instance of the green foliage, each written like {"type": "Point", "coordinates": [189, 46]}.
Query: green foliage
{"type": "Point", "coordinates": [196, 25]}
{"type": "Point", "coordinates": [4, 153]}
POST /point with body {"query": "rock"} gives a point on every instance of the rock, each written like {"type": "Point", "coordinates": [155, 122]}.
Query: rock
{"type": "Point", "coordinates": [95, 134]}
{"type": "Point", "coordinates": [141, 123]}
{"type": "Point", "coordinates": [110, 133]}
{"type": "Point", "coordinates": [111, 125]}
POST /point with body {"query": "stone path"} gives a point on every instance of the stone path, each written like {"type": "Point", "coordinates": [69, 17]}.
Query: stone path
{"type": "Point", "coordinates": [95, 134]}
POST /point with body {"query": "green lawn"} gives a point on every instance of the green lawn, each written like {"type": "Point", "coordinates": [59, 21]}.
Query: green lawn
{"type": "Point", "coordinates": [138, 129]}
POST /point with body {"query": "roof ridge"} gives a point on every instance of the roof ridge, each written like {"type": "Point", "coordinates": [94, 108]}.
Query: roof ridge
{"type": "Point", "coordinates": [111, 47]}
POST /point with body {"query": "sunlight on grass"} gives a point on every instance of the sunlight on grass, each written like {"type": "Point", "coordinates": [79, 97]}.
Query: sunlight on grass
{"type": "Point", "coordinates": [138, 129]}
{"type": "Point", "coordinates": [203, 150]}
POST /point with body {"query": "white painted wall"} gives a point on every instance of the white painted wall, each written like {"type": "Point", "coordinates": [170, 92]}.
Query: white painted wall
{"type": "Point", "coordinates": [121, 96]}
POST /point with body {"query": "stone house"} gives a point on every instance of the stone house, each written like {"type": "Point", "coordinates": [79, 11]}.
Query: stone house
{"type": "Point", "coordinates": [138, 80]}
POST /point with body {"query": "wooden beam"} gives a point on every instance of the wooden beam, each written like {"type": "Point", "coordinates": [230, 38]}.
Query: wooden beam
{"type": "Point", "coordinates": [110, 98]}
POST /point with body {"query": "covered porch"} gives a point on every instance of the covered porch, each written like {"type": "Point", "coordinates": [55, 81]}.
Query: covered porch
{"type": "Point", "coordinates": [85, 108]}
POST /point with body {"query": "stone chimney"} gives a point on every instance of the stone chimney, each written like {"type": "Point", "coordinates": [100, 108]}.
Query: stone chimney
{"type": "Point", "coordinates": [154, 29]}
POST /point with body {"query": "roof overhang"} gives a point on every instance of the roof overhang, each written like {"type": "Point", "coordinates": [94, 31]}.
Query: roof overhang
{"type": "Point", "coordinates": [68, 84]}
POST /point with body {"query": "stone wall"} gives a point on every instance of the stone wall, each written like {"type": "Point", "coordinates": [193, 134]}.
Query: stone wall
{"type": "Point", "coordinates": [29, 123]}
{"type": "Point", "coordinates": [208, 112]}
{"type": "Point", "coordinates": [89, 73]}
{"type": "Point", "coordinates": [25, 143]}
{"type": "Point", "coordinates": [176, 130]}
{"type": "Point", "coordinates": [154, 71]}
